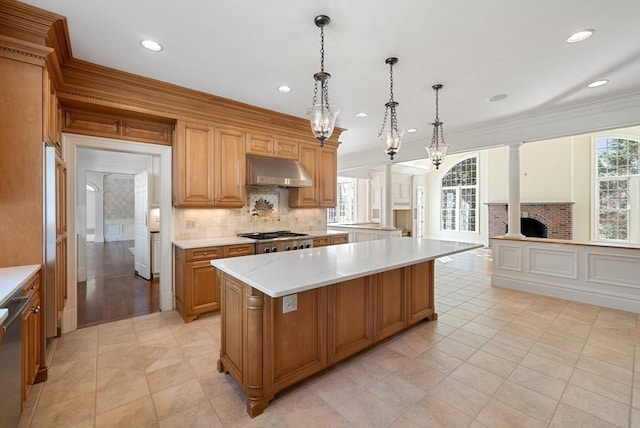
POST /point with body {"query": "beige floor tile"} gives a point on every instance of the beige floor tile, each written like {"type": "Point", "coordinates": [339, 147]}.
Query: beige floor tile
{"type": "Point", "coordinates": [139, 413]}
{"type": "Point", "coordinates": [635, 403]}
{"type": "Point", "coordinates": [498, 415]}
{"type": "Point", "coordinates": [452, 320]}
{"type": "Point", "coordinates": [169, 376]}
{"type": "Point", "coordinates": [603, 386]}
{"type": "Point", "coordinates": [477, 378]}
{"type": "Point", "coordinates": [624, 360]}
{"type": "Point", "coordinates": [499, 314]}
{"type": "Point", "coordinates": [204, 364]}
{"type": "Point", "coordinates": [148, 323]}
{"type": "Point", "coordinates": [231, 407]}
{"type": "Point", "coordinates": [560, 355]}
{"type": "Point", "coordinates": [564, 343]}
{"type": "Point", "coordinates": [334, 388]}
{"type": "Point", "coordinates": [301, 404]}
{"type": "Point", "coordinates": [396, 392]}
{"type": "Point", "coordinates": [385, 357]}
{"type": "Point", "coordinates": [516, 341]}
{"type": "Point", "coordinates": [570, 328]}
{"type": "Point", "coordinates": [199, 416]}
{"type": "Point", "coordinates": [611, 318]}
{"type": "Point", "coordinates": [547, 366]}
{"type": "Point", "coordinates": [605, 370]}
{"type": "Point", "coordinates": [363, 372]}
{"type": "Point", "coordinates": [480, 329]}
{"type": "Point", "coordinates": [615, 339]}
{"type": "Point", "coordinates": [455, 348]}
{"type": "Point", "coordinates": [463, 314]}
{"type": "Point", "coordinates": [411, 347]}
{"type": "Point", "coordinates": [568, 416]}
{"type": "Point", "coordinates": [116, 394]}
{"type": "Point", "coordinates": [420, 375]}
{"type": "Point", "coordinates": [367, 410]}
{"type": "Point", "coordinates": [508, 352]}
{"type": "Point", "coordinates": [68, 388]}
{"type": "Point", "coordinates": [490, 322]}
{"type": "Point", "coordinates": [177, 398]}
{"type": "Point", "coordinates": [469, 338]}
{"type": "Point", "coordinates": [77, 411]}
{"type": "Point", "coordinates": [108, 376]}
{"type": "Point", "coordinates": [436, 360]}
{"type": "Point", "coordinates": [431, 412]}
{"type": "Point", "coordinates": [115, 343]}
{"type": "Point", "coordinates": [215, 383]}
{"type": "Point", "coordinates": [442, 329]}
{"type": "Point", "coordinates": [538, 382]}
{"type": "Point", "coordinates": [72, 370]}
{"type": "Point", "coordinates": [332, 419]}
{"type": "Point", "coordinates": [493, 364]}
{"type": "Point", "coordinates": [460, 396]}
{"type": "Point", "coordinates": [527, 401]}
{"type": "Point", "coordinates": [524, 331]}
{"type": "Point", "coordinates": [473, 307]}
{"type": "Point", "coordinates": [635, 418]}
{"type": "Point", "coordinates": [597, 405]}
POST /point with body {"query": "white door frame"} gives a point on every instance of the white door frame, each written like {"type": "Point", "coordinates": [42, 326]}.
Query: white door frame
{"type": "Point", "coordinates": [70, 144]}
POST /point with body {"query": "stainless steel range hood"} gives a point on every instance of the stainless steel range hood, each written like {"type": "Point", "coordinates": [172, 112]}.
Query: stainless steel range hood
{"type": "Point", "coordinates": [266, 171]}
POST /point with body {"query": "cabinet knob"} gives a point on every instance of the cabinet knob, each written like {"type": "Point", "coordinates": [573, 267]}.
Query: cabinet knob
{"type": "Point", "coordinates": [36, 309]}
{"type": "Point", "coordinates": [205, 253]}
{"type": "Point", "coordinates": [33, 287]}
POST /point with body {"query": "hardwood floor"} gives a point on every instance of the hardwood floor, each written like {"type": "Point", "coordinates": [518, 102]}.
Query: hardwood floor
{"type": "Point", "coordinates": [112, 291]}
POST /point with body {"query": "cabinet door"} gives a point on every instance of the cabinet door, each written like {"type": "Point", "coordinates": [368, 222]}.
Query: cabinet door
{"type": "Point", "coordinates": [194, 165]}
{"type": "Point", "coordinates": [230, 167]}
{"type": "Point", "coordinates": [285, 149]}
{"type": "Point", "coordinates": [61, 277]}
{"type": "Point", "coordinates": [327, 177]}
{"type": "Point", "coordinates": [421, 292]}
{"type": "Point", "coordinates": [205, 288]}
{"type": "Point", "coordinates": [306, 196]}
{"type": "Point", "coordinates": [31, 343]}
{"type": "Point", "coordinates": [350, 322]}
{"type": "Point", "coordinates": [391, 308]}
{"type": "Point", "coordinates": [61, 197]}
{"type": "Point", "coordinates": [260, 144]}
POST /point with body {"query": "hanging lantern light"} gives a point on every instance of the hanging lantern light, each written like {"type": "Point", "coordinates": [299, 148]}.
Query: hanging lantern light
{"type": "Point", "coordinates": [438, 148]}
{"type": "Point", "coordinates": [391, 136]}
{"type": "Point", "coordinates": [322, 116]}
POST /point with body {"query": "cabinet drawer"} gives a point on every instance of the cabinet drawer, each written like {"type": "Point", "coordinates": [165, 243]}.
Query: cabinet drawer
{"type": "Point", "coordinates": [204, 253]}
{"type": "Point", "coordinates": [31, 287]}
{"type": "Point", "coordinates": [321, 242]}
{"type": "Point", "coordinates": [344, 239]}
{"type": "Point", "coordinates": [240, 250]}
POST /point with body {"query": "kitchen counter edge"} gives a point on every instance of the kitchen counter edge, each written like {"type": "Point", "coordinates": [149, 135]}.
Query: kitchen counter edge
{"type": "Point", "coordinates": [13, 278]}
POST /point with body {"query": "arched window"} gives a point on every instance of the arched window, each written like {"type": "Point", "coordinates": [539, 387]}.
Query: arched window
{"type": "Point", "coordinates": [458, 207]}
{"type": "Point", "coordinates": [618, 183]}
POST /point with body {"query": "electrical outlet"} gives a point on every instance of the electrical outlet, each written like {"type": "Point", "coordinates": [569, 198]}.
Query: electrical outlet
{"type": "Point", "coordinates": [191, 224]}
{"type": "Point", "coordinates": [289, 303]}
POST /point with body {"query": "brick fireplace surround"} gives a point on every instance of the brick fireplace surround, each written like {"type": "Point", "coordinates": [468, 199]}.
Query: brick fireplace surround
{"type": "Point", "coordinates": [557, 216]}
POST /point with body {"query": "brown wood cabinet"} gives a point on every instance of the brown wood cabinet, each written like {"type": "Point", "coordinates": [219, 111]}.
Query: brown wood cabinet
{"type": "Point", "coordinates": [268, 145]}
{"type": "Point", "coordinates": [324, 241]}
{"type": "Point", "coordinates": [32, 335]}
{"type": "Point", "coordinates": [322, 165]}
{"type": "Point", "coordinates": [267, 350]}
{"type": "Point", "coordinates": [51, 115]}
{"type": "Point", "coordinates": [196, 283]}
{"type": "Point", "coordinates": [209, 166]}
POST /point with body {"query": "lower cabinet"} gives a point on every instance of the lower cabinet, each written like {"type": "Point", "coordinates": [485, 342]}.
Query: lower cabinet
{"type": "Point", "coordinates": [196, 281]}
{"type": "Point", "coordinates": [331, 240]}
{"type": "Point", "coordinates": [32, 335]}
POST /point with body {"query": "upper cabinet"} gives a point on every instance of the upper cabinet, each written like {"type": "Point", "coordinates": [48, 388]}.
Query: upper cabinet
{"type": "Point", "coordinates": [51, 115]}
{"type": "Point", "coordinates": [267, 145]}
{"type": "Point", "coordinates": [401, 191]}
{"type": "Point", "coordinates": [209, 166]}
{"type": "Point", "coordinates": [322, 165]}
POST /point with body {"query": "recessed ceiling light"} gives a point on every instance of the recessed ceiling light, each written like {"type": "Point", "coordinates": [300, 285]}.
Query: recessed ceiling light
{"type": "Point", "coordinates": [361, 115]}
{"type": "Point", "coordinates": [597, 83]}
{"type": "Point", "coordinates": [580, 36]}
{"type": "Point", "coordinates": [411, 130]}
{"type": "Point", "coordinates": [498, 97]}
{"type": "Point", "coordinates": [151, 45]}
{"type": "Point", "coordinates": [284, 89]}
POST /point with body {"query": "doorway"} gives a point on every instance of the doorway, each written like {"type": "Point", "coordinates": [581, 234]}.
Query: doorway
{"type": "Point", "coordinates": [73, 146]}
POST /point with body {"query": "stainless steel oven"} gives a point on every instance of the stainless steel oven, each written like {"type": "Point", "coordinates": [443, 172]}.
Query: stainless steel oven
{"type": "Point", "coordinates": [282, 240]}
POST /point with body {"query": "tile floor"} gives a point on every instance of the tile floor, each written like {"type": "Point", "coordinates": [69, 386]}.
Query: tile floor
{"type": "Point", "coordinates": [495, 358]}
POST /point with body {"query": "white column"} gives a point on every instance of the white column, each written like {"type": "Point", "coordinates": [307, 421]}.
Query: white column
{"type": "Point", "coordinates": [387, 210]}
{"type": "Point", "coordinates": [514, 191]}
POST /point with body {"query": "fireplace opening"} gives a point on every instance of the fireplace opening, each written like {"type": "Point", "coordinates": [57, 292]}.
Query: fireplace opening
{"type": "Point", "coordinates": [532, 228]}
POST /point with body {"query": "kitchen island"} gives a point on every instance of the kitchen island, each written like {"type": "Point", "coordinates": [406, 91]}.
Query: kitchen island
{"type": "Point", "coordinates": [287, 316]}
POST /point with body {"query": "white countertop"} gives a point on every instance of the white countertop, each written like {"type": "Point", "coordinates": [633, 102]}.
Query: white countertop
{"type": "Point", "coordinates": [13, 278]}
{"type": "Point", "coordinates": [4, 313]}
{"type": "Point", "coordinates": [285, 273]}
{"type": "Point", "coordinates": [371, 226]}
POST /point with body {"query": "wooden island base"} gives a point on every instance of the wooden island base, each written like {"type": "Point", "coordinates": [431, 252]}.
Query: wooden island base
{"type": "Point", "coordinates": [266, 350]}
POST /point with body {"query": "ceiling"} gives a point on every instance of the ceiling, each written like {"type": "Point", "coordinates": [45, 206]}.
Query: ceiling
{"type": "Point", "coordinates": [245, 49]}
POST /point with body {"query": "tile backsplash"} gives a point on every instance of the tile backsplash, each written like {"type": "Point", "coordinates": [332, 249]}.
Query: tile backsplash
{"type": "Point", "coordinates": [267, 209]}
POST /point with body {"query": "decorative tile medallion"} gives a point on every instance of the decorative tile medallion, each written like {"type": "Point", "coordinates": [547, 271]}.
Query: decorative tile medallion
{"type": "Point", "coordinates": [264, 205]}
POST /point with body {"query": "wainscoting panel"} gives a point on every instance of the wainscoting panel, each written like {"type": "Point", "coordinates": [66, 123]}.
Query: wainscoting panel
{"type": "Point", "coordinates": [553, 262]}
{"type": "Point", "coordinates": [509, 257]}
{"type": "Point", "coordinates": [615, 270]}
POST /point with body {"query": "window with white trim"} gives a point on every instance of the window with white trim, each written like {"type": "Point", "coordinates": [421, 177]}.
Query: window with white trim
{"type": "Point", "coordinates": [618, 172]}
{"type": "Point", "coordinates": [458, 206]}
{"type": "Point", "coordinates": [345, 211]}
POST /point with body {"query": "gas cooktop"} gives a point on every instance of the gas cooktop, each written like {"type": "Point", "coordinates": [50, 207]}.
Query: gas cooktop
{"type": "Point", "coordinates": [271, 235]}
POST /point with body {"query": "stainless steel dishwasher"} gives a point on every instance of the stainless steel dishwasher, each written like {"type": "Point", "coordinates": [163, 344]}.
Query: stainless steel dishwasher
{"type": "Point", "coordinates": [11, 361]}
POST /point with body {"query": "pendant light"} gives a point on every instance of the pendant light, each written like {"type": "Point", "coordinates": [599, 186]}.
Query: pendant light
{"type": "Point", "coordinates": [322, 116]}
{"type": "Point", "coordinates": [391, 136]}
{"type": "Point", "coordinates": [438, 148]}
